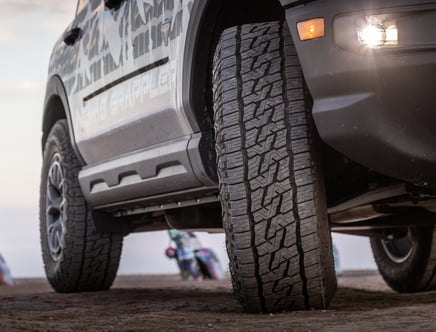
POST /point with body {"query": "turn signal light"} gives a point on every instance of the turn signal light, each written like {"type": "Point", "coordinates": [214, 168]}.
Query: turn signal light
{"type": "Point", "coordinates": [311, 29]}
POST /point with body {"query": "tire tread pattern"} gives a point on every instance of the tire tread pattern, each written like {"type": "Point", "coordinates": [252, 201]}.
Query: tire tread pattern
{"type": "Point", "coordinates": [274, 214]}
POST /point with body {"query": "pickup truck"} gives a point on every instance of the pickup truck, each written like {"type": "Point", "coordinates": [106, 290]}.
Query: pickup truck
{"type": "Point", "coordinates": [278, 122]}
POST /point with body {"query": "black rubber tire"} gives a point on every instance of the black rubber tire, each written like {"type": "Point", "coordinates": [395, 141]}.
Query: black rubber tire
{"type": "Point", "coordinates": [271, 189]}
{"type": "Point", "coordinates": [410, 270]}
{"type": "Point", "coordinates": [86, 260]}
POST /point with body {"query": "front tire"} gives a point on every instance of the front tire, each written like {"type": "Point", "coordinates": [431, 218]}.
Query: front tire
{"type": "Point", "coordinates": [407, 262]}
{"type": "Point", "coordinates": [75, 257]}
{"type": "Point", "coordinates": [271, 189]}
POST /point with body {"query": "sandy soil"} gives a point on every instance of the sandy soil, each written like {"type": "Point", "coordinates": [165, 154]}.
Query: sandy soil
{"type": "Point", "coordinates": [163, 303]}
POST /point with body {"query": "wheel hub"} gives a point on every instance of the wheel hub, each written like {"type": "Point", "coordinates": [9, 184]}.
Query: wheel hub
{"type": "Point", "coordinates": [55, 207]}
{"type": "Point", "coordinates": [399, 249]}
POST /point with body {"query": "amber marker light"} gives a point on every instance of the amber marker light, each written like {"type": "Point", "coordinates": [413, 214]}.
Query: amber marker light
{"type": "Point", "coordinates": [311, 29]}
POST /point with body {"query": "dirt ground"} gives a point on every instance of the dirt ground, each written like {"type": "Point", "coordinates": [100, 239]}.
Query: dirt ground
{"type": "Point", "coordinates": [164, 303]}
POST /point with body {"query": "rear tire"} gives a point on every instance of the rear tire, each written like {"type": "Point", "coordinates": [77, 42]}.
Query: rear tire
{"type": "Point", "coordinates": [272, 196]}
{"type": "Point", "coordinates": [408, 263]}
{"type": "Point", "coordinates": [75, 257]}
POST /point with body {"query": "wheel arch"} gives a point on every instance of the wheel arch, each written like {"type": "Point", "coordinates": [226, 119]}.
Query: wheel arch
{"type": "Point", "coordinates": [56, 107]}
{"type": "Point", "coordinates": [208, 20]}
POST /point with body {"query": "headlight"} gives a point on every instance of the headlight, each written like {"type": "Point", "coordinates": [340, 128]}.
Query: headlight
{"type": "Point", "coordinates": [366, 34]}
{"type": "Point", "coordinates": [378, 33]}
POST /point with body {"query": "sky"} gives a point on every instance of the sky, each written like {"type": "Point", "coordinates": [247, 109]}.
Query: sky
{"type": "Point", "coordinates": [28, 31]}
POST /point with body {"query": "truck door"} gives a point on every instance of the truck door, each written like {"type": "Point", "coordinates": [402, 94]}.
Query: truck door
{"type": "Point", "coordinates": [129, 125]}
{"type": "Point", "coordinates": [133, 105]}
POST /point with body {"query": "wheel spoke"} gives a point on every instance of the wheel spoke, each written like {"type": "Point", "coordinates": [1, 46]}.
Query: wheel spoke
{"type": "Point", "coordinates": [52, 193]}
{"type": "Point", "coordinates": [55, 176]}
{"type": "Point", "coordinates": [52, 237]}
{"type": "Point", "coordinates": [55, 204]}
{"type": "Point", "coordinates": [55, 227]}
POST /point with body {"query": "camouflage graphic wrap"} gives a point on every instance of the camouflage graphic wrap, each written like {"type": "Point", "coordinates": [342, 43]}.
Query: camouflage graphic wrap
{"type": "Point", "coordinates": [140, 35]}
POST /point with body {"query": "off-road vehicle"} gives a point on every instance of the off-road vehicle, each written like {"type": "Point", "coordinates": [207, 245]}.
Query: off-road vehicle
{"type": "Point", "coordinates": [277, 121]}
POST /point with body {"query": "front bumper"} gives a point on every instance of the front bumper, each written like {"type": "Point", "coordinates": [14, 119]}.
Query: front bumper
{"type": "Point", "coordinates": [376, 106]}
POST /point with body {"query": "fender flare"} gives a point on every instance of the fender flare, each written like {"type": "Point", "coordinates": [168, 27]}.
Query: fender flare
{"type": "Point", "coordinates": [55, 99]}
